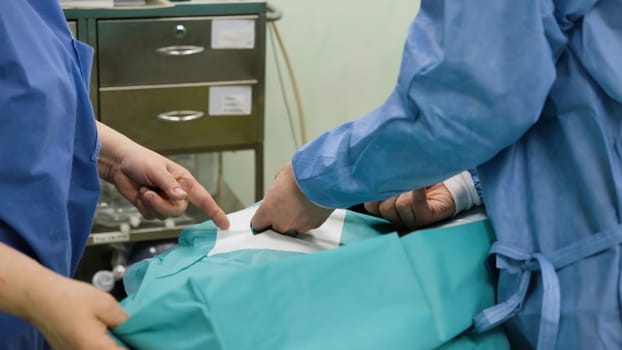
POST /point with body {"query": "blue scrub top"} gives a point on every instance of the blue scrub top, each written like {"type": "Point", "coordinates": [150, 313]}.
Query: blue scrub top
{"type": "Point", "coordinates": [48, 145]}
{"type": "Point", "coordinates": [530, 92]}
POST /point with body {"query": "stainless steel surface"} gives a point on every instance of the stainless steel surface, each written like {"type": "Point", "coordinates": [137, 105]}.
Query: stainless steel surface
{"type": "Point", "coordinates": [180, 50]}
{"type": "Point", "coordinates": [180, 31]}
{"type": "Point", "coordinates": [152, 51]}
{"type": "Point", "coordinates": [180, 116]}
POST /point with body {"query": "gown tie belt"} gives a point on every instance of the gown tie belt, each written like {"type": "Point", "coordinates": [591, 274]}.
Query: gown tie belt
{"type": "Point", "coordinates": [516, 260]}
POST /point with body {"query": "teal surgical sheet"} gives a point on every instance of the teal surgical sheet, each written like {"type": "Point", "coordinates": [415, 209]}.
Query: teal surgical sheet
{"type": "Point", "coordinates": [351, 284]}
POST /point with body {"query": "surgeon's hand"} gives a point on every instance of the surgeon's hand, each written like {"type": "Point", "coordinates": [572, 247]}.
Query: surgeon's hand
{"type": "Point", "coordinates": [415, 209]}
{"type": "Point", "coordinates": [74, 315]}
{"type": "Point", "coordinates": [286, 209]}
{"type": "Point", "coordinates": [157, 186]}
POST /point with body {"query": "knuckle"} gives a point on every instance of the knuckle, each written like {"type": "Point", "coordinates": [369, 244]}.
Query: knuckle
{"type": "Point", "coordinates": [383, 205]}
{"type": "Point", "coordinates": [402, 201]}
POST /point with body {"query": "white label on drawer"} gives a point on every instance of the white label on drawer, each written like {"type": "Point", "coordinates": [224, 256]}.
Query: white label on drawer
{"type": "Point", "coordinates": [233, 34]}
{"type": "Point", "coordinates": [230, 100]}
{"type": "Point", "coordinates": [110, 237]}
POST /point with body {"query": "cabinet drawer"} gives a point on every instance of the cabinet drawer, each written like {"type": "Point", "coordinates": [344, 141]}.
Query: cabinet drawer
{"type": "Point", "coordinates": [178, 50]}
{"type": "Point", "coordinates": [181, 118]}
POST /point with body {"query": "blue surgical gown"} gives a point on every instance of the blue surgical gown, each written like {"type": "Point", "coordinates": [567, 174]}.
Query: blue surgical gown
{"type": "Point", "coordinates": [48, 145]}
{"type": "Point", "coordinates": [530, 93]}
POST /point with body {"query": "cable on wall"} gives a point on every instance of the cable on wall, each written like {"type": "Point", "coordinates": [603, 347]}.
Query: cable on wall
{"type": "Point", "coordinates": [283, 92]}
{"type": "Point", "coordinates": [273, 15]}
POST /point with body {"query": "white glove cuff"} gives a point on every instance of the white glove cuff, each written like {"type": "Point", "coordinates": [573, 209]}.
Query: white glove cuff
{"type": "Point", "coordinates": [463, 191]}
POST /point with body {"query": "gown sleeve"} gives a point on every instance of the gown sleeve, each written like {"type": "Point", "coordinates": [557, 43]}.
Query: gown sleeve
{"type": "Point", "coordinates": [474, 77]}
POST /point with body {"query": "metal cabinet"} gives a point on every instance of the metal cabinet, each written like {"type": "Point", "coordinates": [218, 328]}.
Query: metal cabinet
{"type": "Point", "coordinates": [182, 79]}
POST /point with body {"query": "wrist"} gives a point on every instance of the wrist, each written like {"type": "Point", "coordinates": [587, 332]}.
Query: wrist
{"type": "Point", "coordinates": [28, 295]}
{"type": "Point", "coordinates": [463, 192]}
{"type": "Point", "coordinates": [18, 278]}
{"type": "Point", "coordinates": [114, 147]}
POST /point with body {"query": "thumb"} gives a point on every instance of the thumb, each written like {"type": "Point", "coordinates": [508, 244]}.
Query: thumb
{"type": "Point", "coordinates": [112, 315]}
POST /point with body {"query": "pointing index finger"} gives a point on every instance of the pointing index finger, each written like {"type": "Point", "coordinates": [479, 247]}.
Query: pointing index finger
{"type": "Point", "coordinates": [201, 198]}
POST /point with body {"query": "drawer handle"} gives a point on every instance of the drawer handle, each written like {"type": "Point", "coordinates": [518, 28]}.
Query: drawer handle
{"type": "Point", "coordinates": [180, 50]}
{"type": "Point", "coordinates": [180, 116]}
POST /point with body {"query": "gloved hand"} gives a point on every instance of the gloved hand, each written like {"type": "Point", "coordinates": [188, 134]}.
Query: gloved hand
{"type": "Point", "coordinates": [415, 209]}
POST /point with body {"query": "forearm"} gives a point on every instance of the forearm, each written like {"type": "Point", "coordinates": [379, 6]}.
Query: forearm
{"type": "Point", "coordinates": [70, 314]}
{"type": "Point", "coordinates": [458, 102]}
{"type": "Point", "coordinates": [23, 283]}
{"type": "Point", "coordinates": [113, 146]}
